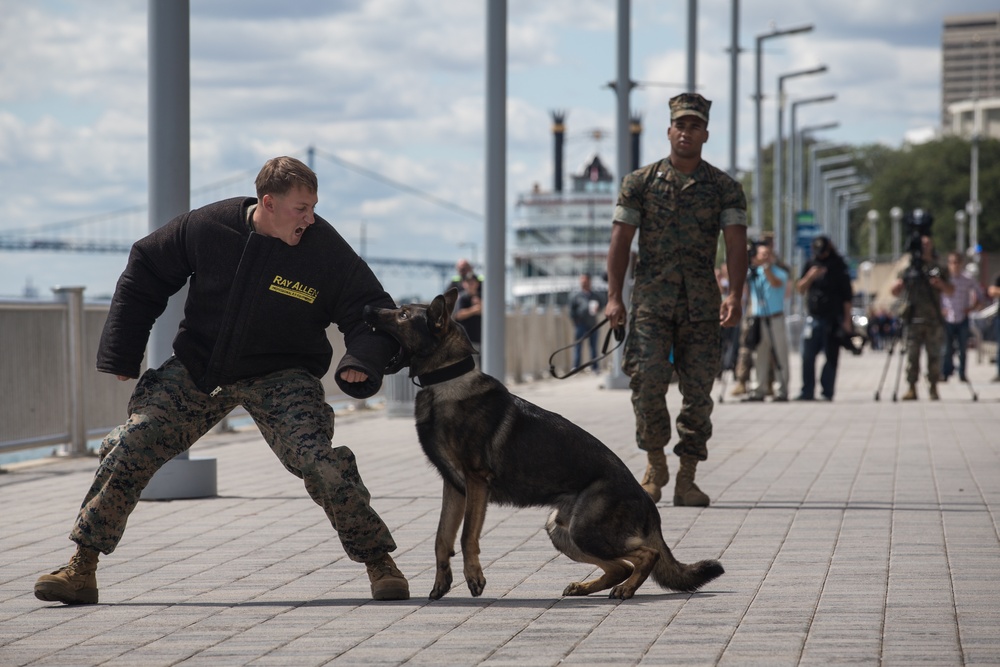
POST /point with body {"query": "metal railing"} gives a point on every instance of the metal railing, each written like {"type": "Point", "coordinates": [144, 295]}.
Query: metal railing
{"type": "Point", "coordinates": [51, 395]}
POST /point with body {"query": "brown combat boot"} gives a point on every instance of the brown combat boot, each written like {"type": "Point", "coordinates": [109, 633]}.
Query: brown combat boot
{"type": "Point", "coordinates": [932, 392]}
{"type": "Point", "coordinates": [74, 583]}
{"type": "Point", "coordinates": [657, 475]}
{"type": "Point", "coordinates": [686, 492]}
{"type": "Point", "coordinates": [388, 583]}
{"type": "Point", "coordinates": [739, 389]}
{"type": "Point", "coordinates": [911, 394]}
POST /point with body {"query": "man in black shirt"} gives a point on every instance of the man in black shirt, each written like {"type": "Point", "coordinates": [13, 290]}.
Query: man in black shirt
{"type": "Point", "coordinates": [469, 310]}
{"type": "Point", "coordinates": [827, 286]}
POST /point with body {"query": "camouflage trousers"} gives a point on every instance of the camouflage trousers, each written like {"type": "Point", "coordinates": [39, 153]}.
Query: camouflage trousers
{"type": "Point", "coordinates": [930, 336]}
{"type": "Point", "coordinates": [652, 334]}
{"type": "Point", "coordinates": [168, 413]}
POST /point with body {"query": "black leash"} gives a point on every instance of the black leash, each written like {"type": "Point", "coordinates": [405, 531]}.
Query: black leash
{"type": "Point", "coordinates": [617, 332]}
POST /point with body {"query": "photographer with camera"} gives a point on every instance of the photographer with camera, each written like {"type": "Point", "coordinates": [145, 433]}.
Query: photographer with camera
{"type": "Point", "coordinates": [921, 285]}
{"type": "Point", "coordinates": [766, 283]}
{"type": "Point", "coordinates": [827, 285]}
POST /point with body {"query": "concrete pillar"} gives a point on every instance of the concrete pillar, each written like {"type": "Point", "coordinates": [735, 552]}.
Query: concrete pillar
{"type": "Point", "coordinates": [73, 298]}
{"type": "Point", "coordinates": [169, 196]}
{"type": "Point", "coordinates": [615, 378]}
{"type": "Point", "coordinates": [494, 290]}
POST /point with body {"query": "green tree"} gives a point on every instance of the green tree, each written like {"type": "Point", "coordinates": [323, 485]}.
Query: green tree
{"type": "Point", "coordinates": [933, 176]}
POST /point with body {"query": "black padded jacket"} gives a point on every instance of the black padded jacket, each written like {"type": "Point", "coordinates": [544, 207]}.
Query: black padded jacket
{"type": "Point", "coordinates": [255, 305]}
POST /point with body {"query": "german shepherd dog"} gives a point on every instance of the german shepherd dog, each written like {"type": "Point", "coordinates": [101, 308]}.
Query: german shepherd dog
{"type": "Point", "coordinates": [490, 445]}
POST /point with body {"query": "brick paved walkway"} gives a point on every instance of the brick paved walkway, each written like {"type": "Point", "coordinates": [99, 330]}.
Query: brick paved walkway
{"type": "Point", "coordinates": [853, 532]}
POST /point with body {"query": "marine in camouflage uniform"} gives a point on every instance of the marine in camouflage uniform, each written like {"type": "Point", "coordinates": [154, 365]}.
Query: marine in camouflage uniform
{"type": "Point", "coordinates": [266, 278]}
{"type": "Point", "coordinates": [921, 294]}
{"type": "Point", "coordinates": [679, 205]}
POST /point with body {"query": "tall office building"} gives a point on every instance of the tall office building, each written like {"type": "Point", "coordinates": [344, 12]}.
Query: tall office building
{"type": "Point", "coordinates": [970, 61]}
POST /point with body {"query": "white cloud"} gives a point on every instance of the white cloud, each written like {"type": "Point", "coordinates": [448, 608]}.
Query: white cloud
{"type": "Point", "coordinates": [398, 87]}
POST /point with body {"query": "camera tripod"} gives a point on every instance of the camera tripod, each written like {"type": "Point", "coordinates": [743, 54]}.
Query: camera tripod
{"type": "Point", "coordinates": [911, 277]}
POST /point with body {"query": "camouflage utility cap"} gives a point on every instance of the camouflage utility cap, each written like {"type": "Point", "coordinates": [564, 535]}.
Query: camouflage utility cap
{"type": "Point", "coordinates": [689, 104]}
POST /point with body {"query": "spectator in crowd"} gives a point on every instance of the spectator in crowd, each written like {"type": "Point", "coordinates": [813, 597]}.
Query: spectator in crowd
{"type": "Point", "coordinates": [955, 307]}
{"type": "Point", "coordinates": [826, 284]}
{"type": "Point", "coordinates": [584, 306]}
{"type": "Point", "coordinates": [463, 269]}
{"type": "Point", "coordinates": [881, 328]}
{"type": "Point", "coordinates": [469, 310]}
{"type": "Point", "coordinates": [745, 354]}
{"type": "Point", "coordinates": [766, 285]}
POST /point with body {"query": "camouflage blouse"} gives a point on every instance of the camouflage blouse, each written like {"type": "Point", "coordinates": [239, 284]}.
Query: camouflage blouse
{"type": "Point", "coordinates": [679, 217]}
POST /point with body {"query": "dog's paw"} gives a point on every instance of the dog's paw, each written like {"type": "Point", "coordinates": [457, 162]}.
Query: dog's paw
{"type": "Point", "coordinates": [476, 584]}
{"type": "Point", "coordinates": [622, 592]}
{"type": "Point", "coordinates": [576, 588]}
{"type": "Point", "coordinates": [442, 582]}
{"type": "Point", "coordinates": [438, 591]}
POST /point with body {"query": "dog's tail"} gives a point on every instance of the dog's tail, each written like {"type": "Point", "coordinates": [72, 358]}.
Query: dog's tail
{"type": "Point", "coordinates": [671, 573]}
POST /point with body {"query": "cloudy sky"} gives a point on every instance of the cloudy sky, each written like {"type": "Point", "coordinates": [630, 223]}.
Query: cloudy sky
{"type": "Point", "coordinates": [397, 87]}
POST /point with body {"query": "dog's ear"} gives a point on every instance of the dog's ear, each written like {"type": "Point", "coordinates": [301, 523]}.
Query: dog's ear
{"type": "Point", "coordinates": [450, 297]}
{"type": "Point", "coordinates": [439, 312]}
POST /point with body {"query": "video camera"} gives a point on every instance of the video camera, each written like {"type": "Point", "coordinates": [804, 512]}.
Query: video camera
{"type": "Point", "coordinates": [752, 246]}
{"type": "Point", "coordinates": [918, 224]}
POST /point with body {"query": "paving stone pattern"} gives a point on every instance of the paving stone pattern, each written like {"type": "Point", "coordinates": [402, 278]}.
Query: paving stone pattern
{"type": "Point", "coordinates": [854, 532]}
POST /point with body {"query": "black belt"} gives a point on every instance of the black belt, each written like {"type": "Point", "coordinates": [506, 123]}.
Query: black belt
{"type": "Point", "coordinates": [767, 317]}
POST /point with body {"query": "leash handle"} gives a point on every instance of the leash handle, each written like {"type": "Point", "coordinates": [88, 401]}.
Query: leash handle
{"type": "Point", "coordinates": [617, 332]}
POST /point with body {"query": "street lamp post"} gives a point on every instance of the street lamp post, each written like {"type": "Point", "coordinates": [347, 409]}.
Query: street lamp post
{"type": "Point", "coordinates": [867, 267]}
{"type": "Point", "coordinates": [758, 204]}
{"type": "Point", "coordinates": [734, 77]}
{"type": "Point", "coordinates": [818, 166]}
{"type": "Point", "coordinates": [790, 179]}
{"type": "Point", "coordinates": [872, 218]}
{"type": "Point", "coordinates": [811, 167]}
{"type": "Point", "coordinates": [825, 212]}
{"type": "Point", "coordinates": [778, 160]}
{"type": "Point", "coordinates": [851, 198]}
{"type": "Point", "coordinates": [798, 186]}
{"type": "Point", "coordinates": [896, 215]}
{"type": "Point", "coordinates": [974, 207]}
{"type": "Point", "coordinates": [831, 207]}
{"type": "Point", "coordinates": [960, 219]}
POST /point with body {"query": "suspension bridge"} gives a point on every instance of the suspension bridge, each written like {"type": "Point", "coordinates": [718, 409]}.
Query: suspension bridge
{"type": "Point", "coordinates": [115, 231]}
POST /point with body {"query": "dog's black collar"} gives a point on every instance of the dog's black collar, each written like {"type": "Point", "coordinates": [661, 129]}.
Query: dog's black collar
{"type": "Point", "coordinates": [446, 373]}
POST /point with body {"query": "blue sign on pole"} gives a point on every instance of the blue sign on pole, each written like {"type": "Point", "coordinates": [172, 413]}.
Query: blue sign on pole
{"type": "Point", "coordinates": [805, 230]}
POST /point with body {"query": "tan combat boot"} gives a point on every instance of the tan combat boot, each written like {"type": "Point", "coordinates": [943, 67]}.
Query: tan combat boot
{"type": "Point", "coordinates": [75, 583]}
{"type": "Point", "coordinates": [686, 492]}
{"type": "Point", "coordinates": [932, 392]}
{"type": "Point", "coordinates": [657, 475]}
{"type": "Point", "coordinates": [911, 394]}
{"type": "Point", "coordinates": [388, 583]}
{"type": "Point", "coordinates": [739, 389]}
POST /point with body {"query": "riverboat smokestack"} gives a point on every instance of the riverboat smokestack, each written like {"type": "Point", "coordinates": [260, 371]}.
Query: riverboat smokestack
{"type": "Point", "coordinates": [558, 134]}
{"type": "Point", "coordinates": [635, 130]}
